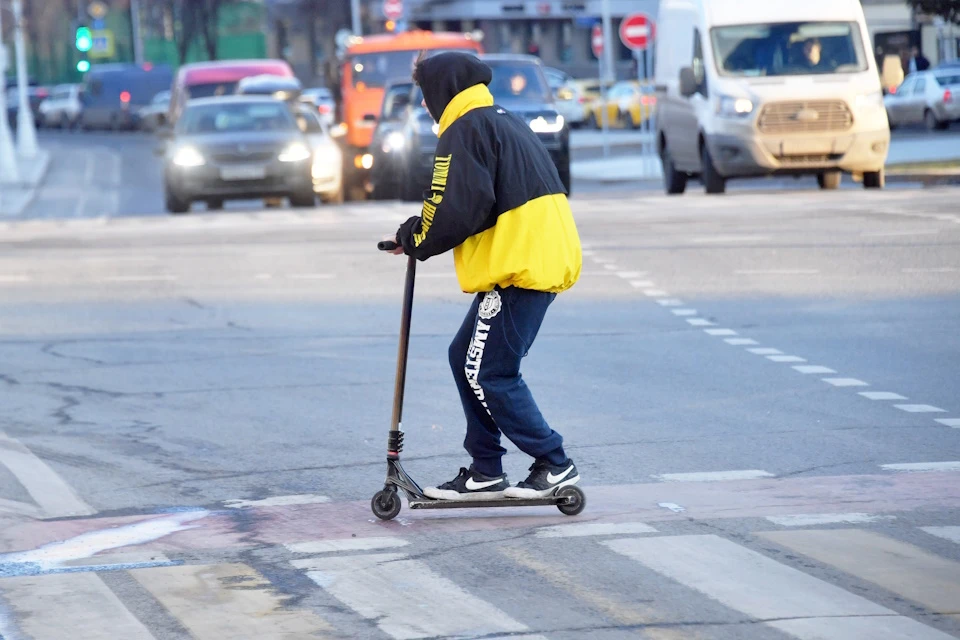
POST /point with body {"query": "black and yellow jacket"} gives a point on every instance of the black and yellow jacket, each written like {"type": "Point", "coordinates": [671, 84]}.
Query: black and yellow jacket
{"type": "Point", "coordinates": [496, 198]}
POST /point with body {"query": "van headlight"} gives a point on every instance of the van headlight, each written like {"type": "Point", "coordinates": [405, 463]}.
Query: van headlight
{"type": "Point", "coordinates": [872, 100]}
{"type": "Point", "coordinates": [541, 125]}
{"type": "Point", "coordinates": [296, 152]}
{"type": "Point", "coordinates": [730, 107]}
{"type": "Point", "coordinates": [188, 157]}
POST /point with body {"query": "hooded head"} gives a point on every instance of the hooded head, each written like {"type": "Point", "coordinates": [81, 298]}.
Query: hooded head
{"type": "Point", "coordinates": [443, 76]}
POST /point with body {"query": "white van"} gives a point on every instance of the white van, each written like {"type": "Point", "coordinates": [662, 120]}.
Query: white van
{"type": "Point", "coordinates": [763, 87]}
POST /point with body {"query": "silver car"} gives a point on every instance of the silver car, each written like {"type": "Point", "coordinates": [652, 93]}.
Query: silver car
{"type": "Point", "coordinates": [928, 97]}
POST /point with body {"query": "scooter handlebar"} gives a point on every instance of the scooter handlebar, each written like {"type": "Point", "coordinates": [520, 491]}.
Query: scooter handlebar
{"type": "Point", "coordinates": [387, 245]}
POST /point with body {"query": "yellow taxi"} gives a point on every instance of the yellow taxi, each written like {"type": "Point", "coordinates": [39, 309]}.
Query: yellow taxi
{"type": "Point", "coordinates": [627, 105]}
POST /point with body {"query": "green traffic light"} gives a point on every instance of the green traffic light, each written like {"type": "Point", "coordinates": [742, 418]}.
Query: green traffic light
{"type": "Point", "coordinates": [84, 39]}
{"type": "Point", "coordinates": [83, 66]}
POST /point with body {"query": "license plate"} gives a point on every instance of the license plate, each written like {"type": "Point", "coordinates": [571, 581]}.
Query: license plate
{"type": "Point", "coordinates": [243, 172]}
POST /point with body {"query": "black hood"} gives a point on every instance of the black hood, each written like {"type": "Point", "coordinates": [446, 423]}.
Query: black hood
{"type": "Point", "coordinates": [445, 75]}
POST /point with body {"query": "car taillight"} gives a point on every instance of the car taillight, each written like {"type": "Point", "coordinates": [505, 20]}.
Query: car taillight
{"type": "Point", "coordinates": [125, 97]}
{"type": "Point", "coordinates": [893, 90]}
{"type": "Point", "coordinates": [947, 96]}
{"type": "Point", "coordinates": [323, 108]}
{"type": "Point", "coordinates": [582, 100]}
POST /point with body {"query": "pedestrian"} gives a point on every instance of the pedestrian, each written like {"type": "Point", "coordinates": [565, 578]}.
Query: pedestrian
{"type": "Point", "coordinates": [917, 61]}
{"type": "Point", "coordinates": [497, 201]}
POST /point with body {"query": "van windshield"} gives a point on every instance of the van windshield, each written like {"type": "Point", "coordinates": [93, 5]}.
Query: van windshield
{"type": "Point", "coordinates": [788, 49]}
{"type": "Point", "coordinates": [375, 70]}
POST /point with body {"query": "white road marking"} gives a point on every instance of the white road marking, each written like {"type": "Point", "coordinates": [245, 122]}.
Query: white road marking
{"type": "Point", "coordinates": [814, 519]}
{"type": "Point", "coordinates": [919, 408]}
{"type": "Point", "coordinates": [777, 272]}
{"type": "Point", "coordinates": [85, 609]}
{"type": "Point", "coordinates": [803, 606]}
{"type": "Point", "coordinates": [641, 284]}
{"type": "Point", "coordinates": [629, 275]}
{"type": "Point", "coordinates": [670, 302]}
{"type": "Point", "coordinates": [739, 342]}
{"type": "Point", "coordinates": [602, 260]}
{"type": "Point", "coordinates": [930, 270]}
{"type": "Point", "coordinates": [360, 582]}
{"type": "Point", "coordinates": [950, 422]}
{"type": "Point", "coordinates": [672, 506]}
{"type": "Point", "coordinates": [894, 234]}
{"type": "Point", "coordinates": [845, 382]}
{"type": "Point", "coordinates": [5, 279]}
{"type": "Point", "coordinates": [714, 476]}
{"type": "Point", "coordinates": [277, 501]}
{"type": "Point", "coordinates": [54, 496]}
{"type": "Point", "coordinates": [221, 601]}
{"type": "Point", "coordinates": [143, 278]}
{"type": "Point", "coordinates": [610, 267]}
{"type": "Point", "coordinates": [655, 293]}
{"type": "Point", "coordinates": [594, 529]}
{"type": "Point", "coordinates": [683, 312]}
{"type": "Point", "coordinates": [899, 567]}
{"type": "Point", "coordinates": [699, 322]}
{"type": "Point", "coordinates": [345, 544]}
{"type": "Point", "coordinates": [20, 508]}
{"type": "Point", "coordinates": [720, 332]}
{"type": "Point", "coordinates": [722, 239]}
{"type": "Point", "coordinates": [765, 351]}
{"type": "Point", "coordinates": [786, 359]}
{"type": "Point", "coordinates": [882, 395]}
{"type": "Point", "coordinates": [952, 465]}
{"type": "Point", "coordinates": [312, 276]}
{"type": "Point", "coordinates": [586, 252]}
{"type": "Point", "coordinates": [947, 533]}
{"type": "Point", "coordinates": [813, 368]}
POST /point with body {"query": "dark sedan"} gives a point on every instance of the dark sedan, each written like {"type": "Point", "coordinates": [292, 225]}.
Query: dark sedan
{"type": "Point", "coordinates": [237, 148]}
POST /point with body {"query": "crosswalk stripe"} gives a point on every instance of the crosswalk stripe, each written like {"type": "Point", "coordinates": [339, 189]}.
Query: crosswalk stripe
{"type": "Point", "coordinates": [55, 497]}
{"type": "Point", "coordinates": [577, 530]}
{"type": "Point", "coordinates": [227, 601]}
{"type": "Point", "coordinates": [368, 584]}
{"type": "Point", "coordinates": [899, 567]}
{"type": "Point", "coordinates": [78, 606]}
{"type": "Point", "coordinates": [796, 603]}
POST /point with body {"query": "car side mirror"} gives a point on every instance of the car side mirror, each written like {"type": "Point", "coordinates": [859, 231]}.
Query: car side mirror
{"type": "Point", "coordinates": [688, 82]}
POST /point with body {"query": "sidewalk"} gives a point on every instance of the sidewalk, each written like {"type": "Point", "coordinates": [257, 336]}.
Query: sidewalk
{"type": "Point", "coordinates": [15, 198]}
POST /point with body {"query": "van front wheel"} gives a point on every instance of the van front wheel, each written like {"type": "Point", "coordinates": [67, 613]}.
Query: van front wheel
{"type": "Point", "coordinates": [674, 181]}
{"type": "Point", "coordinates": [829, 180]}
{"type": "Point", "coordinates": [712, 180]}
{"type": "Point", "coordinates": [874, 179]}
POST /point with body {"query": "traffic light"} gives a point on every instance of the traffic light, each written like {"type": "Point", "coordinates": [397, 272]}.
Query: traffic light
{"type": "Point", "coordinates": [83, 66]}
{"type": "Point", "coordinates": [84, 39]}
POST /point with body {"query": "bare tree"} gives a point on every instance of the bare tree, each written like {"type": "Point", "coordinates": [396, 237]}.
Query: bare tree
{"type": "Point", "coordinates": [208, 23]}
{"type": "Point", "coordinates": [193, 19]}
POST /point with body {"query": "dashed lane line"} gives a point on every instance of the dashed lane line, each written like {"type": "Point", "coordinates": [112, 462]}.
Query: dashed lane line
{"type": "Point", "coordinates": [720, 332]}
{"type": "Point", "coordinates": [950, 422]}
{"type": "Point", "coordinates": [919, 408]}
{"type": "Point", "coordinates": [881, 395]}
{"type": "Point", "coordinates": [846, 382]}
{"type": "Point", "coordinates": [812, 368]}
{"type": "Point", "coordinates": [786, 359]}
{"type": "Point", "coordinates": [765, 351]}
{"type": "Point", "coordinates": [923, 467]}
{"type": "Point", "coordinates": [700, 322]}
{"type": "Point", "coordinates": [947, 533]}
{"type": "Point", "coordinates": [740, 342]}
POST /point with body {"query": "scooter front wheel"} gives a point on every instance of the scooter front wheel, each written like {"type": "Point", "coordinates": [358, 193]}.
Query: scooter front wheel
{"type": "Point", "coordinates": [576, 500]}
{"type": "Point", "coordinates": [385, 504]}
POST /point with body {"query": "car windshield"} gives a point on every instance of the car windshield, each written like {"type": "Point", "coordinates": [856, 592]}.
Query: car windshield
{"type": "Point", "coordinates": [211, 90]}
{"type": "Point", "coordinates": [788, 49]}
{"type": "Point", "coordinates": [517, 81]}
{"type": "Point", "coordinates": [235, 117]}
{"type": "Point", "coordinates": [945, 80]}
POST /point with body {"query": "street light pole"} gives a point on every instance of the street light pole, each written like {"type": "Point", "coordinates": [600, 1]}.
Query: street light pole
{"type": "Point", "coordinates": [137, 38]}
{"type": "Point", "coordinates": [9, 174]}
{"type": "Point", "coordinates": [26, 131]}
{"type": "Point", "coordinates": [355, 17]}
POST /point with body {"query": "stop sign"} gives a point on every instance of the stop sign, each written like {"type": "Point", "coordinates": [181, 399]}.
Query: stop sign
{"type": "Point", "coordinates": [596, 40]}
{"type": "Point", "coordinates": [637, 31]}
{"type": "Point", "coordinates": [393, 9]}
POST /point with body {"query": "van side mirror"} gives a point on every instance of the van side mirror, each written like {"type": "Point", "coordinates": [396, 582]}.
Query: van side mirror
{"type": "Point", "coordinates": [688, 82]}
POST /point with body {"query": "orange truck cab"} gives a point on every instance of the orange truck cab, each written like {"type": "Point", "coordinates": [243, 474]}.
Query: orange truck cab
{"type": "Point", "coordinates": [368, 65]}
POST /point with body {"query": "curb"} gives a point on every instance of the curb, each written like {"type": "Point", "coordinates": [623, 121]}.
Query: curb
{"type": "Point", "coordinates": [23, 194]}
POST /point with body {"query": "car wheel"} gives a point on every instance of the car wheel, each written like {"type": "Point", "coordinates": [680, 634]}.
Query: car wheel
{"type": "Point", "coordinates": [675, 182]}
{"type": "Point", "coordinates": [712, 180]}
{"type": "Point", "coordinates": [174, 203]}
{"type": "Point", "coordinates": [829, 180]}
{"type": "Point", "coordinates": [214, 204]}
{"type": "Point", "coordinates": [874, 179]}
{"type": "Point", "coordinates": [303, 200]}
{"type": "Point", "coordinates": [931, 122]}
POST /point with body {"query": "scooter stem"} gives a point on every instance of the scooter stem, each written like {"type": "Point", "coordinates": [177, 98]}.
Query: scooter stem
{"type": "Point", "coordinates": [395, 442]}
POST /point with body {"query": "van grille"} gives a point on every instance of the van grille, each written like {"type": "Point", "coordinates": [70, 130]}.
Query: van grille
{"type": "Point", "coordinates": [805, 116]}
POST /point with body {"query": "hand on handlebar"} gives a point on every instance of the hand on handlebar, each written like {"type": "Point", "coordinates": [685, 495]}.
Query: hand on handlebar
{"type": "Point", "coordinates": [390, 244]}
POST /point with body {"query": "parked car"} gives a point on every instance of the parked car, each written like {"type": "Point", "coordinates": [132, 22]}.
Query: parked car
{"type": "Point", "coordinates": [113, 94]}
{"type": "Point", "coordinates": [237, 147]}
{"type": "Point", "coordinates": [757, 88]}
{"type": "Point", "coordinates": [389, 142]}
{"type": "Point", "coordinates": [219, 78]}
{"type": "Point", "coordinates": [280, 87]}
{"type": "Point", "coordinates": [327, 165]}
{"type": "Point", "coordinates": [322, 100]}
{"type": "Point", "coordinates": [628, 105]}
{"type": "Point", "coordinates": [62, 108]}
{"type": "Point", "coordinates": [35, 96]}
{"type": "Point", "coordinates": [154, 115]}
{"type": "Point", "coordinates": [931, 98]}
{"type": "Point", "coordinates": [568, 96]}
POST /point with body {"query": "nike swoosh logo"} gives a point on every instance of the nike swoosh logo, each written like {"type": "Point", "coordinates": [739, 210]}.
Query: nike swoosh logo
{"type": "Point", "coordinates": [552, 479]}
{"type": "Point", "coordinates": [473, 486]}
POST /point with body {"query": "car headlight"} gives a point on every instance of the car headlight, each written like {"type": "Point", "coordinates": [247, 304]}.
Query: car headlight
{"type": "Point", "coordinates": [540, 125]}
{"type": "Point", "coordinates": [394, 142]}
{"type": "Point", "coordinates": [296, 152]}
{"type": "Point", "coordinates": [188, 157]}
{"type": "Point", "coordinates": [730, 107]}
{"type": "Point", "coordinates": [327, 155]}
{"type": "Point", "coordinates": [872, 100]}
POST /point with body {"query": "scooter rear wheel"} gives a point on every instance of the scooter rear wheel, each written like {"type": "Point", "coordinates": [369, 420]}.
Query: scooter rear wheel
{"type": "Point", "coordinates": [576, 500]}
{"type": "Point", "coordinates": [385, 504]}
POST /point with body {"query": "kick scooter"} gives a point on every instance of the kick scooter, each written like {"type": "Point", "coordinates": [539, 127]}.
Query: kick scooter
{"type": "Point", "coordinates": [386, 502]}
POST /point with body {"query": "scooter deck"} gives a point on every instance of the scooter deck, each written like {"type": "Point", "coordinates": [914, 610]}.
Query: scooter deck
{"type": "Point", "coordinates": [548, 501]}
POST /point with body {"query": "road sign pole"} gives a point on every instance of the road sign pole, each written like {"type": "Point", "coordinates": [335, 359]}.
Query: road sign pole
{"type": "Point", "coordinates": [137, 37]}
{"type": "Point", "coordinates": [603, 110]}
{"type": "Point", "coordinates": [9, 174]}
{"type": "Point", "coordinates": [26, 131]}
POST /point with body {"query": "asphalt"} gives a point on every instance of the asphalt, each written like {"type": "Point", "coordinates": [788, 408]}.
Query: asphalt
{"type": "Point", "coordinates": [164, 368]}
